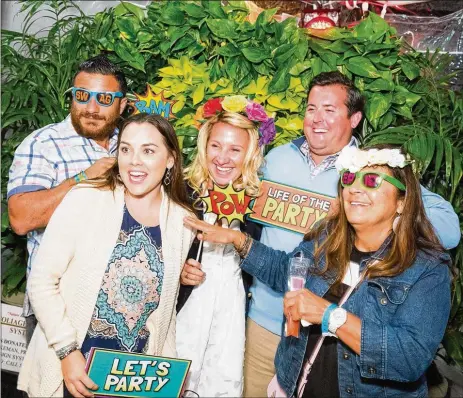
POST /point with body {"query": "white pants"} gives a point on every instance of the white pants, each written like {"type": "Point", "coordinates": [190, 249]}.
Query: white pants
{"type": "Point", "coordinates": [211, 326]}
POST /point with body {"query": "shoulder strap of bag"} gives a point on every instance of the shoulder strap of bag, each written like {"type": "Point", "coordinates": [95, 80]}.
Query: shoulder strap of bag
{"type": "Point", "coordinates": [309, 363]}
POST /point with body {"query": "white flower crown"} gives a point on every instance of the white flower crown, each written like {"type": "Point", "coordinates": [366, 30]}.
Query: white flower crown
{"type": "Point", "coordinates": [355, 159]}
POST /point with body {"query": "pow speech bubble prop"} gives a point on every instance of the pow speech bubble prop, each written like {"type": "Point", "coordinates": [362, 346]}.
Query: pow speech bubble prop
{"type": "Point", "coordinates": [154, 103]}
{"type": "Point", "coordinates": [227, 203]}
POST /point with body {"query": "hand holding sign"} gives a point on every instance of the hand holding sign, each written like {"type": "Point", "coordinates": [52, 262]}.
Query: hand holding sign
{"type": "Point", "coordinates": [191, 274]}
{"type": "Point", "coordinates": [75, 378]}
{"type": "Point", "coordinates": [125, 374]}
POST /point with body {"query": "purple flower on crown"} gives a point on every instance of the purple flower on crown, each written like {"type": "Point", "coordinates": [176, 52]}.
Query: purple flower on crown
{"type": "Point", "coordinates": [267, 132]}
{"type": "Point", "coordinates": [256, 112]}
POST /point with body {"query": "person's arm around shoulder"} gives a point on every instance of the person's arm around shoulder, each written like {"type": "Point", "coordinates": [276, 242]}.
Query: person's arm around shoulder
{"type": "Point", "coordinates": [31, 206]}
{"type": "Point", "coordinates": [442, 217]}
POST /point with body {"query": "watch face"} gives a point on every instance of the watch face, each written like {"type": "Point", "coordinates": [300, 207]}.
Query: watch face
{"type": "Point", "coordinates": [338, 315]}
{"type": "Point", "coordinates": [337, 318]}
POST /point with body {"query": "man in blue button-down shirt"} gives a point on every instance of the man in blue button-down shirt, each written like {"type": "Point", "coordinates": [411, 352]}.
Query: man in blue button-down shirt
{"type": "Point", "coordinates": [334, 109]}
{"type": "Point", "coordinates": [47, 163]}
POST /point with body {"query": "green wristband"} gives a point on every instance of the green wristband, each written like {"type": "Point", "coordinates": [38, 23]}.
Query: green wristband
{"type": "Point", "coordinates": [80, 177]}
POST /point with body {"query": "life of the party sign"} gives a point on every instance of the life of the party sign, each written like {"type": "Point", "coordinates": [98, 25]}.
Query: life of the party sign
{"type": "Point", "coordinates": [291, 208]}
{"type": "Point", "coordinates": [123, 374]}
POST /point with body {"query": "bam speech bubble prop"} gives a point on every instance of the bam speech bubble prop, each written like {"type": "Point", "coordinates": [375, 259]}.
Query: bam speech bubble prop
{"type": "Point", "coordinates": [154, 103]}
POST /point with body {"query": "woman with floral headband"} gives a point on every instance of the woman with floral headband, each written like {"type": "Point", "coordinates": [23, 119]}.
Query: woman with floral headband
{"type": "Point", "coordinates": [380, 253]}
{"type": "Point", "coordinates": [211, 318]}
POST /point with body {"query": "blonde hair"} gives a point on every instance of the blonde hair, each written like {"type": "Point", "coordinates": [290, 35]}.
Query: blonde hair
{"type": "Point", "coordinates": [197, 174]}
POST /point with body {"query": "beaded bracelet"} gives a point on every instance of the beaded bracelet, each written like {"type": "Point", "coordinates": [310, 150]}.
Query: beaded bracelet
{"type": "Point", "coordinates": [325, 319]}
{"type": "Point", "coordinates": [243, 250]}
{"type": "Point", "coordinates": [80, 177]}
{"type": "Point", "coordinates": [65, 351]}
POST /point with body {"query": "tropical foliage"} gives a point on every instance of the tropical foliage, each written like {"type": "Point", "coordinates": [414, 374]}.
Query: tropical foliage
{"type": "Point", "coordinates": [197, 50]}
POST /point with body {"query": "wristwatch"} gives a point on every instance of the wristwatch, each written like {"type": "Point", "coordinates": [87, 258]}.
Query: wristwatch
{"type": "Point", "coordinates": [338, 317]}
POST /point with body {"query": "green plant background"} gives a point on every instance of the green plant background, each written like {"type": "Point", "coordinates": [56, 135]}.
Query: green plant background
{"type": "Point", "coordinates": [196, 50]}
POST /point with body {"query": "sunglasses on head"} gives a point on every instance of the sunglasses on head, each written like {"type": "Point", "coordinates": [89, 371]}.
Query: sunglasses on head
{"type": "Point", "coordinates": [103, 98]}
{"type": "Point", "coordinates": [369, 179]}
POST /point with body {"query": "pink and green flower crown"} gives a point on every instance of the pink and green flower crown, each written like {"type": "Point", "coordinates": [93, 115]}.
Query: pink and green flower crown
{"type": "Point", "coordinates": [252, 110]}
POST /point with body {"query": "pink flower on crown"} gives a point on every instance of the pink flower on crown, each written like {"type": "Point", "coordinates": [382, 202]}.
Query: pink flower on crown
{"type": "Point", "coordinates": [256, 112]}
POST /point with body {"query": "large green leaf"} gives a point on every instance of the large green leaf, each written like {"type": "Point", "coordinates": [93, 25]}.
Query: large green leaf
{"type": "Point", "coordinates": [364, 29]}
{"type": "Point", "coordinates": [404, 110]}
{"type": "Point", "coordinates": [130, 55]}
{"type": "Point", "coordinates": [338, 46]}
{"type": "Point", "coordinates": [126, 7]}
{"type": "Point", "coordinates": [411, 70]}
{"type": "Point", "coordinates": [224, 29]}
{"type": "Point", "coordinates": [280, 81]}
{"type": "Point", "coordinates": [255, 54]}
{"type": "Point", "coordinates": [194, 10]}
{"type": "Point", "coordinates": [300, 67]}
{"type": "Point", "coordinates": [377, 105]}
{"type": "Point", "coordinates": [282, 53]}
{"type": "Point", "coordinates": [198, 94]}
{"type": "Point", "coordinates": [453, 343]}
{"type": "Point", "coordinates": [5, 221]}
{"type": "Point", "coordinates": [214, 8]}
{"type": "Point", "coordinates": [448, 155]}
{"type": "Point", "coordinates": [172, 15]}
{"type": "Point", "coordinates": [456, 172]}
{"type": "Point", "coordinates": [185, 42]}
{"type": "Point", "coordinates": [362, 67]}
{"type": "Point", "coordinates": [380, 85]}
{"type": "Point", "coordinates": [229, 50]}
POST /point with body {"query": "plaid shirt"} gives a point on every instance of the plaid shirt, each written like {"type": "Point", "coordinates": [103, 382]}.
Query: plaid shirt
{"type": "Point", "coordinates": [44, 160]}
{"type": "Point", "coordinates": [327, 163]}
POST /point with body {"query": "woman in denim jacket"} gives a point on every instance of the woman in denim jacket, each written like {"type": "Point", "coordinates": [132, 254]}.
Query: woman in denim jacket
{"type": "Point", "coordinates": [387, 333]}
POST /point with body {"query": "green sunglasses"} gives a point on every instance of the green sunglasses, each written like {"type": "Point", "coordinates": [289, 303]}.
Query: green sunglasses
{"type": "Point", "coordinates": [369, 179]}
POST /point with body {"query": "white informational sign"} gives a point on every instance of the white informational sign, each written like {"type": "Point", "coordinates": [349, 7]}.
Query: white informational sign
{"type": "Point", "coordinates": [13, 337]}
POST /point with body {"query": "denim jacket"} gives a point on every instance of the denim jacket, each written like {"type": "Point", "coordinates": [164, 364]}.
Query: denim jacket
{"type": "Point", "coordinates": [403, 321]}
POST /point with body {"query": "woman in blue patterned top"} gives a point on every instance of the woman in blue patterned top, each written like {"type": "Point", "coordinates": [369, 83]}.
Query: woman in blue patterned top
{"type": "Point", "coordinates": [108, 271]}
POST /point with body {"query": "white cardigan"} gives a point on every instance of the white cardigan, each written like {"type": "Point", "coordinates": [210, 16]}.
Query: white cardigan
{"type": "Point", "coordinates": [67, 273]}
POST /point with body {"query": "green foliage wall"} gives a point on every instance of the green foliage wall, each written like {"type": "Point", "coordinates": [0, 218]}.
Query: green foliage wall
{"type": "Point", "coordinates": [196, 50]}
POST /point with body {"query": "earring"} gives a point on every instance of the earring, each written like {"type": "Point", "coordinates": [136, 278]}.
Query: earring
{"type": "Point", "coordinates": [395, 223]}
{"type": "Point", "coordinates": [167, 177]}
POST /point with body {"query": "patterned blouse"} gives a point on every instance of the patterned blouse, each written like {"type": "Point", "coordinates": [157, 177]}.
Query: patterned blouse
{"type": "Point", "coordinates": [130, 290]}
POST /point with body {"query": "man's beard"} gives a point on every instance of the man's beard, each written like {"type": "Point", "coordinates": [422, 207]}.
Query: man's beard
{"type": "Point", "coordinates": [103, 132]}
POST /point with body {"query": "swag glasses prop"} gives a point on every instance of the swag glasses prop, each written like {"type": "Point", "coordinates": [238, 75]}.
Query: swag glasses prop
{"type": "Point", "coordinates": [104, 98]}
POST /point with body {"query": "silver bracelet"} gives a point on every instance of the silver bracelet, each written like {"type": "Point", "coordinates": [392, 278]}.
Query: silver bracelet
{"type": "Point", "coordinates": [65, 351]}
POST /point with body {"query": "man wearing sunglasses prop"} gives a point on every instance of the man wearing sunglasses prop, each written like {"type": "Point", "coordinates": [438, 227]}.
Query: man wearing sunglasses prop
{"type": "Point", "coordinates": [50, 161]}
{"type": "Point", "coordinates": [334, 109]}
